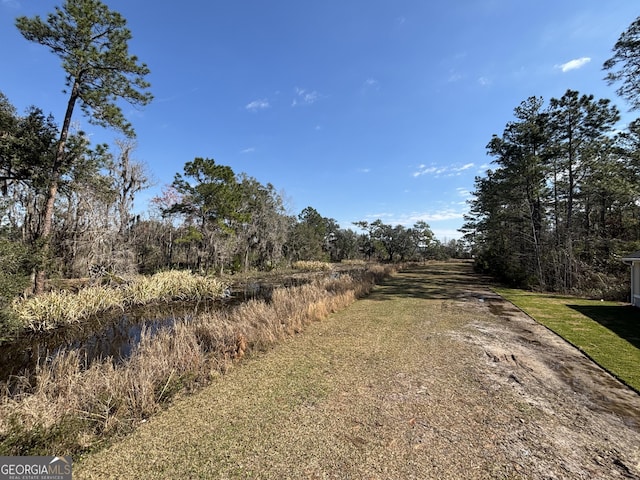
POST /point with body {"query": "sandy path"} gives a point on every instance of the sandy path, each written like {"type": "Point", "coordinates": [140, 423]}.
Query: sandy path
{"type": "Point", "coordinates": [431, 376]}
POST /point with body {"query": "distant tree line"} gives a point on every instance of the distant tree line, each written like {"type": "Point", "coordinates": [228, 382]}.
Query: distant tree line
{"type": "Point", "coordinates": [66, 208]}
{"type": "Point", "coordinates": [208, 219]}
{"type": "Point", "coordinates": [562, 203]}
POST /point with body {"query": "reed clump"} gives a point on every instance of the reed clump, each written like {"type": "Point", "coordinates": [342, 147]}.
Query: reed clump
{"type": "Point", "coordinates": [69, 407]}
{"type": "Point", "coordinates": [55, 308]}
{"type": "Point", "coordinates": [173, 285]}
{"type": "Point", "coordinates": [312, 266]}
{"type": "Point", "coordinates": [49, 310]}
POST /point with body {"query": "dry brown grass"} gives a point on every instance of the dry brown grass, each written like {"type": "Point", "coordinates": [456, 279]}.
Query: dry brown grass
{"type": "Point", "coordinates": [312, 265]}
{"type": "Point", "coordinates": [69, 408]}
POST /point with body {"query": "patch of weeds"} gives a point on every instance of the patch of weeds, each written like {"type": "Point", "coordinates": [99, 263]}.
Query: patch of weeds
{"type": "Point", "coordinates": [10, 325]}
{"type": "Point", "coordinates": [41, 440]}
{"type": "Point", "coordinates": [175, 384]}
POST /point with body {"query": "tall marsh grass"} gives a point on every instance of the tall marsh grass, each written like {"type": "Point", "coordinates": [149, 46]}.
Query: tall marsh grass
{"type": "Point", "coordinates": [173, 285]}
{"type": "Point", "coordinates": [52, 309]}
{"type": "Point", "coordinates": [68, 408]}
{"type": "Point", "coordinates": [46, 311]}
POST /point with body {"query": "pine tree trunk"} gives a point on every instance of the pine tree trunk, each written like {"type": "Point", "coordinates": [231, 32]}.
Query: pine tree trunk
{"type": "Point", "coordinates": [44, 235]}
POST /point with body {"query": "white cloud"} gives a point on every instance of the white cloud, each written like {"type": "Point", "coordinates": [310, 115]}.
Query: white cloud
{"type": "Point", "coordinates": [443, 222]}
{"type": "Point", "coordinates": [409, 219]}
{"type": "Point", "coordinates": [454, 77]}
{"type": "Point", "coordinates": [439, 216]}
{"type": "Point", "coordinates": [463, 192]}
{"type": "Point", "coordinates": [370, 85]}
{"type": "Point", "coordinates": [437, 171]}
{"type": "Point", "coordinates": [305, 97]}
{"type": "Point", "coordinates": [484, 81]}
{"type": "Point", "coordinates": [379, 216]}
{"type": "Point", "coordinates": [424, 170]}
{"type": "Point", "coordinates": [574, 64]}
{"type": "Point", "coordinates": [464, 167]}
{"type": "Point", "coordinates": [248, 150]}
{"type": "Point", "coordinates": [257, 105]}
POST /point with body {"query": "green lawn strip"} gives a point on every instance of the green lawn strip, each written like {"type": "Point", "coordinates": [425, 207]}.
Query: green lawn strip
{"type": "Point", "coordinates": [607, 332]}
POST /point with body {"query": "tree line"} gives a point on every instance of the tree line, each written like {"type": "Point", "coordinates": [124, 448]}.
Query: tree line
{"type": "Point", "coordinates": [208, 219]}
{"type": "Point", "coordinates": [66, 206]}
{"type": "Point", "coordinates": [562, 203]}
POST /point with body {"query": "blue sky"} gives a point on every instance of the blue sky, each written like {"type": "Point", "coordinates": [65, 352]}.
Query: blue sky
{"type": "Point", "coordinates": [359, 109]}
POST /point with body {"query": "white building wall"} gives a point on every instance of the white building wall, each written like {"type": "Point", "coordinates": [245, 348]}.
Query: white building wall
{"type": "Point", "coordinates": [635, 284]}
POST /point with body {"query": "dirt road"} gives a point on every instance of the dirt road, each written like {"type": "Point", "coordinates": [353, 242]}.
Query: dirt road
{"type": "Point", "coordinates": [431, 376]}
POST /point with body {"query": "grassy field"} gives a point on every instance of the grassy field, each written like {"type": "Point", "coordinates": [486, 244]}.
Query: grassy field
{"type": "Point", "coordinates": [608, 332]}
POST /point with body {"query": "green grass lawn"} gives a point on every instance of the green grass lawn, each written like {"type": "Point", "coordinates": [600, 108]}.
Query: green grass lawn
{"type": "Point", "coordinates": [608, 332]}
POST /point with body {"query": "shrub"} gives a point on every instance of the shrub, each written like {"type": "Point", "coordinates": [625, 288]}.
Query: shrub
{"type": "Point", "coordinates": [15, 266]}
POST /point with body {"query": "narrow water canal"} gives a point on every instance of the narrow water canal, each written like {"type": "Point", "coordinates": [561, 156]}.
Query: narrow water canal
{"type": "Point", "coordinates": [113, 334]}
